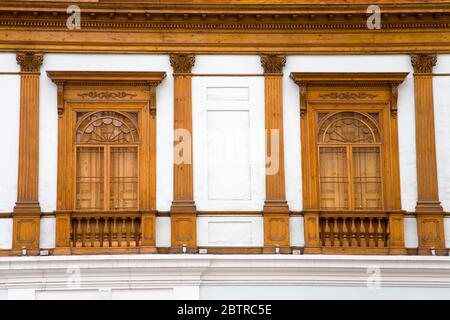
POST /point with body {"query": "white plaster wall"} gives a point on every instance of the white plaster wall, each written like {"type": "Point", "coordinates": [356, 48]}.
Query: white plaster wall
{"type": "Point", "coordinates": [9, 136]}
{"type": "Point", "coordinates": [163, 231]}
{"type": "Point", "coordinates": [441, 88]}
{"type": "Point", "coordinates": [411, 238]}
{"type": "Point", "coordinates": [406, 119]}
{"type": "Point", "coordinates": [105, 62]}
{"type": "Point", "coordinates": [6, 228]}
{"type": "Point", "coordinates": [297, 232]}
{"type": "Point", "coordinates": [229, 231]}
{"type": "Point", "coordinates": [48, 233]}
{"type": "Point", "coordinates": [294, 292]}
{"type": "Point", "coordinates": [447, 231]}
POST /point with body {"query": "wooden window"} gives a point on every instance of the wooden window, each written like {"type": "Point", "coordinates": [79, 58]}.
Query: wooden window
{"type": "Point", "coordinates": [106, 199]}
{"type": "Point", "coordinates": [349, 154]}
{"type": "Point", "coordinates": [351, 179]}
{"type": "Point", "coordinates": [107, 175]}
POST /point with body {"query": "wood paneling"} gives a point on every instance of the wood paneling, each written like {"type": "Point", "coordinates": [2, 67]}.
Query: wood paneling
{"type": "Point", "coordinates": [350, 165]}
{"type": "Point", "coordinates": [276, 210]}
{"type": "Point", "coordinates": [27, 211]}
{"type": "Point", "coordinates": [183, 209]}
{"type": "Point", "coordinates": [430, 215]}
{"type": "Point", "coordinates": [106, 197]}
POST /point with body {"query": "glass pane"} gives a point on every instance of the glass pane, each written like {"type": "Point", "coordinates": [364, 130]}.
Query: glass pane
{"type": "Point", "coordinates": [333, 178]}
{"type": "Point", "coordinates": [90, 178]}
{"type": "Point", "coordinates": [367, 177]}
{"type": "Point", "coordinates": [124, 178]}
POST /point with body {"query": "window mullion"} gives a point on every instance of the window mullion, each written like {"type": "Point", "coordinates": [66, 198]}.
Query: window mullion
{"type": "Point", "coordinates": [107, 178]}
{"type": "Point", "coordinates": [350, 178]}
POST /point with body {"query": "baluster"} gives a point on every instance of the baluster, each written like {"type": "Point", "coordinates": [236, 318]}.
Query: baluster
{"type": "Point", "coordinates": [354, 241]}
{"type": "Point", "coordinates": [79, 240]}
{"type": "Point", "coordinates": [105, 239]}
{"type": "Point", "coordinates": [380, 238]}
{"type": "Point", "coordinates": [371, 234]}
{"type": "Point", "coordinates": [132, 234]}
{"type": "Point", "coordinates": [96, 233]}
{"type": "Point", "coordinates": [138, 231]}
{"type": "Point", "coordinates": [336, 240]}
{"type": "Point", "coordinates": [123, 233]}
{"type": "Point", "coordinates": [327, 234]}
{"type": "Point", "coordinates": [87, 238]}
{"type": "Point", "coordinates": [362, 234]}
{"type": "Point", "coordinates": [387, 233]}
{"type": "Point", "coordinates": [345, 242]}
{"type": "Point", "coordinates": [114, 242]}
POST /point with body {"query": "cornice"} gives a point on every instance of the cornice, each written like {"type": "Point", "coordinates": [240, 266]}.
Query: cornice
{"type": "Point", "coordinates": [346, 78]}
{"type": "Point", "coordinates": [167, 269]}
{"type": "Point", "coordinates": [88, 78]}
{"type": "Point", "coordinates": [275, 28]}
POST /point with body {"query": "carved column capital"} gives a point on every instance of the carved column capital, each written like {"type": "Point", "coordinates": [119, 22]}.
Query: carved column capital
{"type": "Point", "coordinates": [423, 62]}
{"type": "Point", "coordinates": [182, 63]}
{"type": "Point", "coordinates": [30, 61]}
{"type": "Point", "coordinates": [273, 63]}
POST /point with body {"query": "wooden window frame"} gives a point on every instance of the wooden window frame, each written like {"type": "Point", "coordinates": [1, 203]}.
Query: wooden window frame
{"type": "Point", "coordinates": [90, 91]}
{"type": "Point", "coordinates": [351, 92]}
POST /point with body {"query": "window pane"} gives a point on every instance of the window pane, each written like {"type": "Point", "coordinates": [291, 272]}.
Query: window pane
{"type": "Point", "coordinates": [90, 178]}
{"type": "Point", "coordinates": [367, 177]}
{"type": "Point", "coordinates": [333, 178]}
{"type": "Point", "coordinates": [124, 178]}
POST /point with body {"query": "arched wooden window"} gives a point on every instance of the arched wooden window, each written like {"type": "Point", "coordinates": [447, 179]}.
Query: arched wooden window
{"type": "Point", "coordinates": [349, 147]}
{"type": "Point", "coordinates": [107, 149]}
{"type": "Point", "coordinates": [350, 165]}
{"type": "Point", "coordinates": [106, 199]}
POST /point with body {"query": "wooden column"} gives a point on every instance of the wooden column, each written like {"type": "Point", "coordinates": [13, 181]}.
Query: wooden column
{"type": "Point", "coordinates": [430, 215]}
{"type": "Point", "coordinates": [26, 226]}
{"type": "Point", "coordinates": [183, 213]}
{"type": "Point", "coordinates": [276, 210]}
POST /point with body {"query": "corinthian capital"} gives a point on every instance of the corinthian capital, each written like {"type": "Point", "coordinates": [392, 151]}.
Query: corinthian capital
{"type": "Point", "coordinates": [273, 63]}
{"type": "Point", "coordinates": [423, 62]}
{"type": "Point", "coordinates": [29, 61]}
{"type": "Point", "coordinates": [182, 63]}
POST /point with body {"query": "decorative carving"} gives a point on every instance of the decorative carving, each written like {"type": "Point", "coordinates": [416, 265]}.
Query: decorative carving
{"type": "Point", "coordinates": [273, 63]}
{"type": "Point", "coordinates": [29, 61]}
{"type": "Point", "coordinates": [348, 95]}
{"type": "Point", "coordinates": [182, 63]}
{"type": "Point", "coordinates": [106, 95]}
{"type": "Point", "coordinates": [107, 126]}
{"type": "Point", "coordinates": [394, 96]}
{"type": "Point", "coordinates": [423, 62]}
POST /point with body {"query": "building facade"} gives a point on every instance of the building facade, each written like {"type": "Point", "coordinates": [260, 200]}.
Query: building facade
{"type": "Point", "coordinates": [207, 150]}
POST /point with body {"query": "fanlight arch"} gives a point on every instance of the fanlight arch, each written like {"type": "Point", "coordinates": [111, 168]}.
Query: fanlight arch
{"type": "Point", "coordinates": [107, 127]}
{"type": "Point", "coordinates": [348, 127]}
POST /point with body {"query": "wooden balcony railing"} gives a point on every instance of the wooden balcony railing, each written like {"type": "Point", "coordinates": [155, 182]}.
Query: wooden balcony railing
{"type": "Point", "coordinates": [105, 232]}
{"type": "Point", "coordinates": [354, 232]}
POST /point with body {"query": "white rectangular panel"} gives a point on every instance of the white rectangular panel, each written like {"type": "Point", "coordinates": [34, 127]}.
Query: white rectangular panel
{"type": "Point", "coordinates": [228, 148]}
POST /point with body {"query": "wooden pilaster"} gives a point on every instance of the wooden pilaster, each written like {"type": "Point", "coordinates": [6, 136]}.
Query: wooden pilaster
{"type": "Point", "coordinates": [183, 212]}
{"type": "Point", "coordinates": [276, 210]}
{"type": "Point", "coordinates": [26, 226]}
{"type": "Point", "coordinates": [430, 215]}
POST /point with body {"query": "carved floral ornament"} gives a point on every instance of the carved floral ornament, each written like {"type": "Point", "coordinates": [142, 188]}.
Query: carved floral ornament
{"type": "Point", "coordinates": [30, 61]}
{"type": "Point", "coordinates": [106, 95]}
{"type": "Point", "coordinates": [423, 62]}
{"type": "Point", "coordinates": [272, 63]}
{"type": "Point", "coordinates": [182, 63]}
